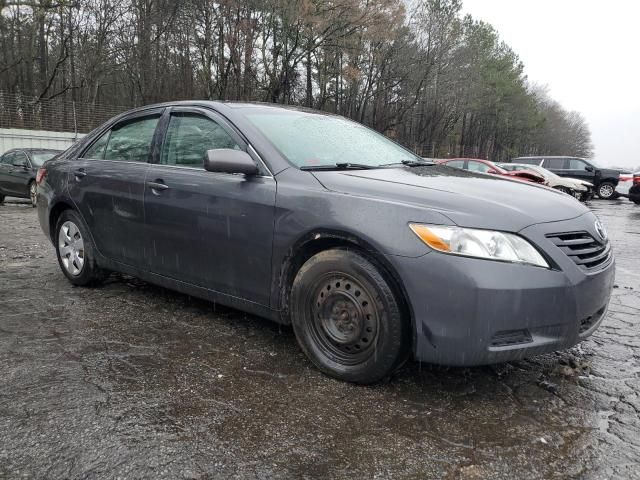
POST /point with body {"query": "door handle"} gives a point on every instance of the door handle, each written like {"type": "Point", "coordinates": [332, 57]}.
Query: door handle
{"type": "Point", "coordinates": [79, 174]}
{"type": "Point", "coordinates": [157, 186]}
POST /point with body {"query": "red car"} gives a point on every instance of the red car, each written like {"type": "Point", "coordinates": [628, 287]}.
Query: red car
{"type": "Point", "coordinates": [485, 166]}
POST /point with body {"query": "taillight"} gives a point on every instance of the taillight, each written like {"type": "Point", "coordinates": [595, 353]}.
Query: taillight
{"type": "Point", "coordinates": [42, 173]}
{"type": "Point", "coordinates": [636, 179]}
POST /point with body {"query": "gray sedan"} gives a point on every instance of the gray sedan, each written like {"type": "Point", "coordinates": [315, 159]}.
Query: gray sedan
{"type": "Point", "coordinates": [18, 171]}
{"type": "Point", "coordinates": [371, 253]}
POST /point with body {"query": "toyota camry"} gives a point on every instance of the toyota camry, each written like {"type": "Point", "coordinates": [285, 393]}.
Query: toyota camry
{"type": "Point", "coordinates": [371, 253]}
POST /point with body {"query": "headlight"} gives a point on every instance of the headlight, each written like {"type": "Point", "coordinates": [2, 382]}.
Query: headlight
{"type": "Point", "coordinates": [471, 242]}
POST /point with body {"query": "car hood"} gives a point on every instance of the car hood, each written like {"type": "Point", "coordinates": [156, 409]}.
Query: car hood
{"type": "Point", "coordinates": [468, 199]}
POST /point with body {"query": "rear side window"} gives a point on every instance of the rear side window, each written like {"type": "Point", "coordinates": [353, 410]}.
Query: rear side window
{"type": "Point", "coordinates": [129, 142]}
{"type": "Point", "coordinates": [97, 149]}
{"type": "Point", "coordinates": [188, 138]}
{"type": "Point", "coordinates": [7, 158]}
{"type": "Point", "coordinates": [132, 141]}
{"type": "Point", "coordinates": [556, 163]}
{"type": "Point", "coordinates": [478, 167]}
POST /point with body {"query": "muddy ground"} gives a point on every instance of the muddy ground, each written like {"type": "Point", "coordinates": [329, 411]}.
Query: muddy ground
{"type": "Point", "coordinates": [129, 380]}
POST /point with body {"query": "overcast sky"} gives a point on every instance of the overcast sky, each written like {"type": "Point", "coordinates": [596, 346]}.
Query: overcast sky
{"type": "Point", "coordinates": [588, 53]}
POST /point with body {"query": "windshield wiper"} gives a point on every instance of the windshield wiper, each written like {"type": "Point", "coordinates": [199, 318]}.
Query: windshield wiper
{"type": "Point", "coordinates": [417, 163]}
{"type": "Point", "coordinates": [411, 163]}
{"type": "Point", "coordinates": [339, 166]}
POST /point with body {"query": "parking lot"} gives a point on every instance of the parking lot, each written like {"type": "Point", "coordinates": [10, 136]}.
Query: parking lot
{"type": "Point", "coordinates": [131, 380]}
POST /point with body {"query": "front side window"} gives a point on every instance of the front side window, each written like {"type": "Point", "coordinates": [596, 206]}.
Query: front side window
{"type": "Point", "coordinates": [576, 164]}
{"type": "Point", "coordinates": [131, 142]}
{"type": "Point", "coordinates": [315, 140]}
{"type": "Point", "coordinates": [188, 138]}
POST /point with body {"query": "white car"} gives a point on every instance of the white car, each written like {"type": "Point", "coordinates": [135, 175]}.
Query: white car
{"type": "Point", "coordinates": [580, 189]}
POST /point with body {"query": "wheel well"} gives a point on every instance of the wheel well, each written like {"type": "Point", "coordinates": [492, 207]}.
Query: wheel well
{"type": "Point", "coordinates": [608, 180]}
{"type": "Point", "coordinates": [320, 242]}
{"type": "Point", "coordinates": [56, 211]}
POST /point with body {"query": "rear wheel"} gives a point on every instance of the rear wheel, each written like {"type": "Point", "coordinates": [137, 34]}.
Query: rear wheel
{"type": "Point", "coordinates": [606, 190]}
{"type": "Point", "coordinates": [1, 198]}
{"type": "Point", "coordinates": [33, 193]}
{"type": "Point", "coordinates": [75, 251]}
{"type": "Point", "coordinates": [347, 319]}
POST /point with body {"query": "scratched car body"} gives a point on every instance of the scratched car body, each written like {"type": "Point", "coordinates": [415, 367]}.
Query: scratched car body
{"type": "Point", "coordinates": [371, 253]}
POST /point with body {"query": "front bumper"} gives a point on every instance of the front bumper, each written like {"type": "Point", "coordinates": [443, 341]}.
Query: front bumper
{"type": "Point", "coordinates": [469, 311]}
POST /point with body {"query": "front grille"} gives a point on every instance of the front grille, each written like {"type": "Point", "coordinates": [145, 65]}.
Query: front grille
{"type": "Point", "coordinates": [587, 252]}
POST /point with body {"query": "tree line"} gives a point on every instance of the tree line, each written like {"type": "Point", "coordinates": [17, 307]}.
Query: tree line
{"type": "Point", "coordinates": [440, 83]}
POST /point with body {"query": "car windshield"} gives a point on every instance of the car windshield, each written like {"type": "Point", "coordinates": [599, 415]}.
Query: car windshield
{"type": "Point", "coordinates": [316, 140]}
{"type": "Point", "coordinates": [38, 158]}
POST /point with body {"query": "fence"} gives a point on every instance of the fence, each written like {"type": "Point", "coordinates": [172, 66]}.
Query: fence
{"type": "Point", "coordinates": [20, 138]}
{"type": "Point", "coordinates": [29, 113]}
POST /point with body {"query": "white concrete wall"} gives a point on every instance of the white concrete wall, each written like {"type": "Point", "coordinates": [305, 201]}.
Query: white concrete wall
{"type": "Point", "coordinates": [18, 138]}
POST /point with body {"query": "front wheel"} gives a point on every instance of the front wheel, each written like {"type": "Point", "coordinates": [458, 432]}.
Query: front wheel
{"type": "Point", "coordinates": [606, 190]}
{"type": "Point", "coordinates": [75, 251]}
{"type": "Point", "coordinates": [347, 318]}
{"type": "Point", "coordinates": [33, 194]}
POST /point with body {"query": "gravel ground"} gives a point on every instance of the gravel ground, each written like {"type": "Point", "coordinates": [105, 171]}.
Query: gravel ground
{"type": "Point", "coordinates": [131, 380]}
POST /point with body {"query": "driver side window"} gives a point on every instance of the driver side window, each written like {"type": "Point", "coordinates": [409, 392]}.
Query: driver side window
{"type": "Point", "coordinates": [575, 164]}
{"type": "Point", "coordinates": [188, 138]}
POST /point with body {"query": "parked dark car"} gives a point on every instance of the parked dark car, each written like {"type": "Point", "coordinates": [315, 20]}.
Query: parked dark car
{"type": "Point", "coordinates": [309, 219]}
{"type": "Point", "coordinates": [18, 169]}
{"type": "Point", "coordinates": [634, 191]}
{"type": "Point", "coordinates": [604, 180]}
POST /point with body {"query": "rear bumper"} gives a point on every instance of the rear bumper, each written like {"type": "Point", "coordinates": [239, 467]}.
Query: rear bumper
{"type": "Point", "coordinates": [472, 312]}
{"type": "Point", "coordinates": [634, 193]}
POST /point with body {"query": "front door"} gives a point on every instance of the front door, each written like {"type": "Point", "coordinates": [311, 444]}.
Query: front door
{"type": "Point", "coordinates": [579, 169]}
{"type": "Point", "coordinates": [209, 229]}
{"type": "Point", "coordinates": [107, 185]}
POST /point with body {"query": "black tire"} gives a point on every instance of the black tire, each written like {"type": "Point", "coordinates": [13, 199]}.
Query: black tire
{"type": "Point", "coordinates": [89, 273]}
{"type": "Point", "coordinates": [33, 193]}
{"type": "Point", "coordinates": [606, 190]}
{"type": "Point", "coordinates": [347, 318]}
{"type": "Point", "coordinates": [1, 198]}
{"type": "Point", "coordinates": [636, 201]}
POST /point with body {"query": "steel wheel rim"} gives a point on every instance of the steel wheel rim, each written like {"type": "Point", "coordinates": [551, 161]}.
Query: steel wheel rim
{"type": "Point", "coordinates": [345, 324]}
{"type": "Point", "coordinates": [33, 192]}
{"type": "Point", "coordinates": [71, 248]}
{"type": "Point", "coordinates": [606, 190]}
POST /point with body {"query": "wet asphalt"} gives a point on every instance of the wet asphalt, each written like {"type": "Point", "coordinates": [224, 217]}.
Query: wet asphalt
{"type": "Point", "coordinates": [129, 380]}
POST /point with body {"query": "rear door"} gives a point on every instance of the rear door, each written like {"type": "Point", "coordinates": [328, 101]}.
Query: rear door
{"type": "Point", "coordinates": [556, 165]}
{"type": "Point", "coordinates": [107, 185]}
{"type": "Point", "coordinates": [210, 229]}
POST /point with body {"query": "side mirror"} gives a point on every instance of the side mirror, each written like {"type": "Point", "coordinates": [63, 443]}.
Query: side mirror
{"type": "Point", "coordinates": [227, 160]}
{"type": "Point", "coordinates": [492, 171]}
{"type": "Point", "coordinates": [588, 168]}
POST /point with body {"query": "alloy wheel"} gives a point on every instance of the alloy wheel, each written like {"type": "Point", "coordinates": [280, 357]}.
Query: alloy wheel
{"type": "Point", "coordinates": [606, 190]}
{"type": "Point", "coordinates": [71, 248]}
